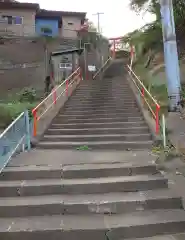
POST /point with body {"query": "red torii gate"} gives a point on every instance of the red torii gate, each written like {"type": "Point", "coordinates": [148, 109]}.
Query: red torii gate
{"type": "Point", "coordinates": [115, 39]}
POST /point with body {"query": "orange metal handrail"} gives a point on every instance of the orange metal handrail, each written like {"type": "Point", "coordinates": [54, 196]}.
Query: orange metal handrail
{"type": "Point", "coordinates": [143, 92]}
{"type": "Point", "coordinates": [53, 95]}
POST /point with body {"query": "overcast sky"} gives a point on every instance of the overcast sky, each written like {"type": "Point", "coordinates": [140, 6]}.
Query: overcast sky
{"type": "Point", "coordinates": [114, 23]}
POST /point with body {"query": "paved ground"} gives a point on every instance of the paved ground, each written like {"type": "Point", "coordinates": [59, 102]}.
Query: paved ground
{"type": "Point", "coordinates": [168, 237]}
{"type": "Point", "coordinates": [174, 169]}
{"type": "Point", "coordinates": [176, 126]}
{"type": "Point", "coordinates": [70, 157]}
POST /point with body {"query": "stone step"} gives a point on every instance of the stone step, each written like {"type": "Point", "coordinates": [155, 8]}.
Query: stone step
{"type": "Point", "coordinates": [91, 107]}
{"type": "Point", "coordinates": [99, 227]}
{"type": "Point", "coordinates": [100, 102]}
{"type": "Point", "coordinates": [86, 119]}
{"type": "Point", "coordinates": [110, 92]}
{"type": "Point", "coordinates": [100, 130]}
{"type": "Point", "coordinates": [108, 89]}
{"type": "Point", "coordinates": [77, 171]}
{"type": "Point", "coordinates": [104, 83]}
{"type": "Point", "coordinates": [100, 145]}
{"type": "Point", "coordinates": [118, 95]}
{"type": "Point", "coordinates": [84, 98]}
{"type": "Point", "coordinates": [104, 86]}
{"type": "Point", "coordinates": [98, 137]}
{"type": "Point", "coordinates": [99, 115]}
{"type": "Point", "coordinates": [117, 89]}
{"type": "Point", "coordinates": [102, 111]}
{"type": "Point", "coordinates": [81, 186]}
{"type": "Point", "coordinates": [96, 125]}
{"type": "Point", "coordinates": [127, 107]}
{"type": "Point", "coordinates": [109, 203]}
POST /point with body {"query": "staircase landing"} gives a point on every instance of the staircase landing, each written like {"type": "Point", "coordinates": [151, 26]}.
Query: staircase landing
{"type": "Point", "coordinates": [54, 194]}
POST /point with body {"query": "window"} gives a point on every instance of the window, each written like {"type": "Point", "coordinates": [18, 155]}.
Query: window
{"type": "Point", "coordinates": [13, 20]}
{"type": "Point", "coordinates": [18, 20]}
{"type": "Point", "coordinates": [46, 30]}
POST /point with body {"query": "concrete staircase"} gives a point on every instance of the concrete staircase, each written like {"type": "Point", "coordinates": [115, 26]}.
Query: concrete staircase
{"type": "Point", "coordinates": [105, 195]}
{"type": "Point", "coordinates": [106, 199]}
{"type": "Point", "coordinates": [102, 114]}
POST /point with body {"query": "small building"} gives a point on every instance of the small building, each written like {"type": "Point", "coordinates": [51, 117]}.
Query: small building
{"type": "Point", "coordinates": [65, 62]}
{"type": "Point", "coordinates": [18, 18]}
{"type": "Point", "coordinates": [48, 23]}
{"type": "Point", "coordinates": [59, 23]}
{"type": "Point", "coordinates": [72, 23]}
{"type": "Point", "coordinates": [27, 19]}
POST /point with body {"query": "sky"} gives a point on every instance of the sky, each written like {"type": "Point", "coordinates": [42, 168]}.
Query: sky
{"type": "Point", "coordinates": [113, 23]}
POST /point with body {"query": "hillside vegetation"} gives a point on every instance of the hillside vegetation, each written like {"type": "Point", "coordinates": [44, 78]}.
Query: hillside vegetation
{"type": "Point", "coordinates": [148, 42]}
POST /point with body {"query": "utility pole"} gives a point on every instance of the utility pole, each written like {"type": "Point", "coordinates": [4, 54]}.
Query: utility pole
{"type": "Point", "coordinates": [99, 34]}
{"type": "Point", "coordinates": [170, 54]}
{"type": "Point", "coordinates": [98, 15]}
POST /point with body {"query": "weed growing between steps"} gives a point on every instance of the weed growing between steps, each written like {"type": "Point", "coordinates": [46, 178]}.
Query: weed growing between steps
{"type": "Point", "coordinates": [165, 154]}
{"type": "Point", "coordinates": [83, 148]}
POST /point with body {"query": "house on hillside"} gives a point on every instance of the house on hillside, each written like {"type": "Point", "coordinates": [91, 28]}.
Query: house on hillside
{"type": "Point", "coordinates": [59, 23]}
{"type": "Point", "coordinates": [27, 19]}
{"type": "Point", "coordinates": [18, 18]}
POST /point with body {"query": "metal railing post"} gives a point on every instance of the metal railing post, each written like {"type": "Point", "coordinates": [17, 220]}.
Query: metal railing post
{"type": "Point", "coordinates": [157, 118]}
{"type": "Point", "coordinates": [143, 95]}
{"type": "Point", "coordinates": [28, 136]}
{"type": "Point", "coordinates": [34, 112]}
{"type": "Point", "coordinates": [54, 96]}
{"type": "Point", "coordinates": [164, 130]}
{"type": "Point", "coordinates": [67, 86]}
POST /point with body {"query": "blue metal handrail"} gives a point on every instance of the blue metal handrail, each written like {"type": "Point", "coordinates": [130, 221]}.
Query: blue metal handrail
{"type": "Point", "coordinates": [15, 138]}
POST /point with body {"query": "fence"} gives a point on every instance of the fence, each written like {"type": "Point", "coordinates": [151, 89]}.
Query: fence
{"type": "Point", "coordinates": [16, 137]}
{"type": "Point", "coordinates": [64, 90]}
{"type": "Point", "coordinates": [151, 103]}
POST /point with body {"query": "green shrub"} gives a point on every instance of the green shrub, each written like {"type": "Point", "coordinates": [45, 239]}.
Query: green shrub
{"type": "Point", "coordinates": [10, 111]}
{"type": "Point", "coordinates": [27, 95]}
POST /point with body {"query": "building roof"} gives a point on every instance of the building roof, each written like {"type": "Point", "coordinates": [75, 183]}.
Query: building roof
{"type": "Point", "coordinates": [68, 51]}
{"type": "Point", "coordinates": [48, 13]}
{"type": "Point", "coordinates": [18, 5]}
{"type": "Point", "coordinates": [10, 4]}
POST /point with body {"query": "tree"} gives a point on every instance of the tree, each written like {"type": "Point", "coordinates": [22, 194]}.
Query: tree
{"type": "Point", "coordinates": [153, 6]}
